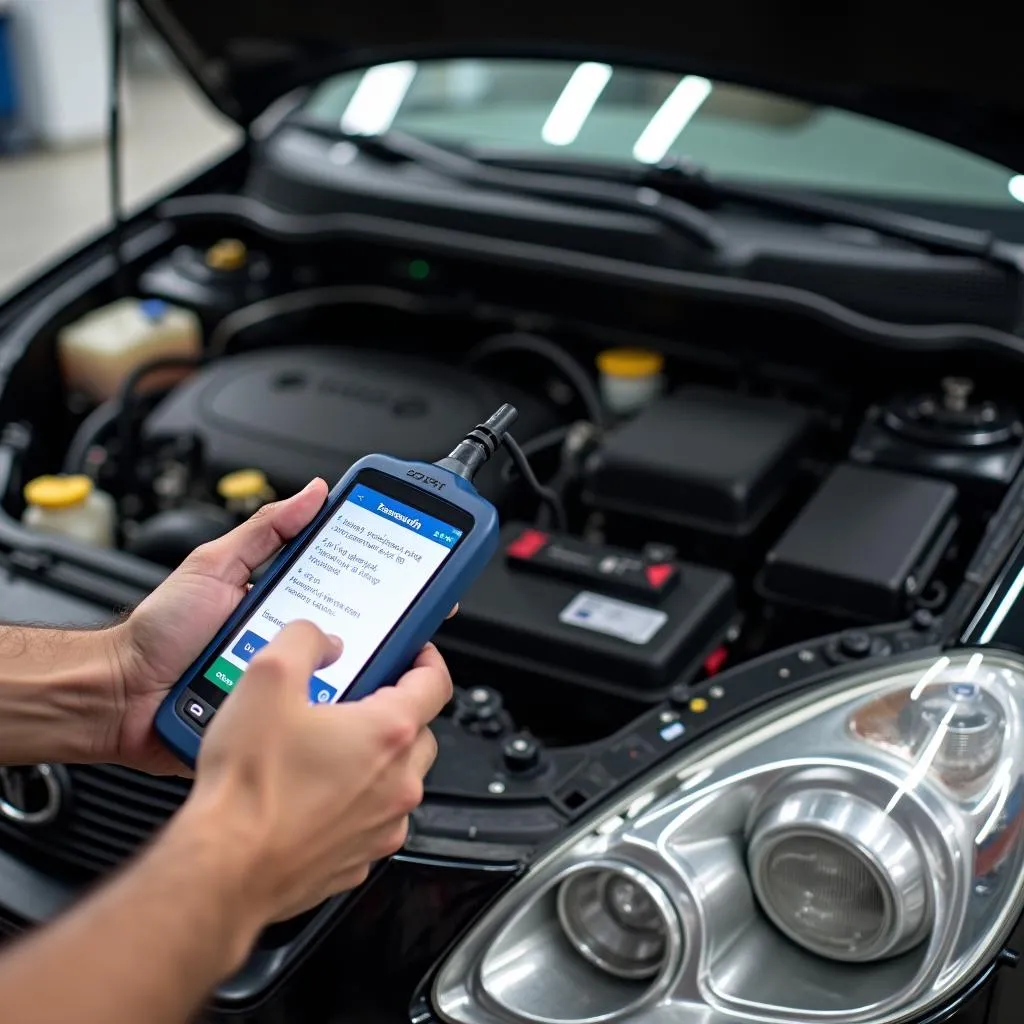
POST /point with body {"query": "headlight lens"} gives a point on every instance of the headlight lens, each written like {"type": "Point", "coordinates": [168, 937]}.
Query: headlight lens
{"type": "Point", "coordinates": [853, 854]}
{"type": "Point", "coordinates": [617, 918]}
{"type": "Point", "coordinates": [838, 875]}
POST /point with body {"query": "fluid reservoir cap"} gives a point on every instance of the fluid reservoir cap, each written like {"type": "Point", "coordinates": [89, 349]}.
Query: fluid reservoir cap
{"type": "Point", "coordinates": [154, 309]}
{"type": "Point", "coordinates": [227, 254]}
{"type": "Point", "coordinates": [630, 362]}
{"type": "Point", "coordinates": [58, 491]}
{"type": "Point", "coordinates": [243, 484]}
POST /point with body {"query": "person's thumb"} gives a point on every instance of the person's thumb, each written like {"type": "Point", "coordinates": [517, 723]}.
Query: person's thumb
{"type": "Point", "coordinates": [235, 556]}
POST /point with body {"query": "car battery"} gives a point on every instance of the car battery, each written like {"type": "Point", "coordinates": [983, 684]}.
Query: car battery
{"type": "Point", "coordinates": [709, 467]}
{"type": "Point", "coordinates": [865, 546]}
{"type": "Point", "coordinates": [625, 622]}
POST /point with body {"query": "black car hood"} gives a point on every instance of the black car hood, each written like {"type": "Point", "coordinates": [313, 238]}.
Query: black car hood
{"type": "Point", "coordinates": [953, 76]}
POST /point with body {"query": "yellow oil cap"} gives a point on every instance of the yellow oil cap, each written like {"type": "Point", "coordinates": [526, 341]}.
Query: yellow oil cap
{"type": "Point", "coordinates": [630, 362]}
{"type": "Point", "coordinates": [243, 484]}
{"type": "Point", "coordinates": [227, 254]}
{"type": "Point", "coordinates": [58, 491]}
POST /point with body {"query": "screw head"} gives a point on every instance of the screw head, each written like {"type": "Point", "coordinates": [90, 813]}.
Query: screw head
{"type": "Point", "coordinates": [496, 787]}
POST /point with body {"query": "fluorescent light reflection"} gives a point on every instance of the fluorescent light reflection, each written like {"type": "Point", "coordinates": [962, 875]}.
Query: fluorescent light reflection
{"type": "Point", "coordinates": [671, 118]}
{"type": "Point", "coordinates": [377, 98]}
{"type": "Point", "coordinates": [573, 106]}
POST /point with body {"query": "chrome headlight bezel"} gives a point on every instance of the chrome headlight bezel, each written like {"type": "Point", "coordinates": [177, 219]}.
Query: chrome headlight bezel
{"type": "Point", "coordinates": [740, 771]}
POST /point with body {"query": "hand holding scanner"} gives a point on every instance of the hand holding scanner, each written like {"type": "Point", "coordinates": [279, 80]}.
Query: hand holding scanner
{"type": "Point", "coordinates": [391, 552]}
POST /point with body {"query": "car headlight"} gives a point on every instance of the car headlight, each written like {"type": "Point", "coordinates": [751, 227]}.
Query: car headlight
{"type": "Point", "coordinates": [854, 853]}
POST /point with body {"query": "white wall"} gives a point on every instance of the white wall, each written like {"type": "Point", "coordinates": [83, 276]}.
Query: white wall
{"type": "Point", "coordinates": [61, 56]}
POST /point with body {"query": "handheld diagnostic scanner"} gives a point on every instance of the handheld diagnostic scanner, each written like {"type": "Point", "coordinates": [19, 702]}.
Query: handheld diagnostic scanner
{"type": "Point", "coordinates": [393, 549]}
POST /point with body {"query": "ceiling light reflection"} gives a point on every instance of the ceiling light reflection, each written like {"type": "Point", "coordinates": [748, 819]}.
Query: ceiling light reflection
{"type": "Point", "coordinates": [377, 98]}
{"type": "Point", "coordinates": [671, 118]}
{"type": "Point", "coordinates": [573, 106]}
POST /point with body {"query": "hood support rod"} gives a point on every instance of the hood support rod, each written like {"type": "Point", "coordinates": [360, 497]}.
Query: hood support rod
{"type": "Point", "coordinates": [114, 147]}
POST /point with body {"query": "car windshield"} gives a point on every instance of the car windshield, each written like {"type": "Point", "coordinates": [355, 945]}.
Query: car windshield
{"type": "Point", "coordinates": [619, 114]}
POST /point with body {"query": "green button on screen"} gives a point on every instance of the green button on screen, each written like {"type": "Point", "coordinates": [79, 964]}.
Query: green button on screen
{"type": "Point", "coordinates": [223, 674]}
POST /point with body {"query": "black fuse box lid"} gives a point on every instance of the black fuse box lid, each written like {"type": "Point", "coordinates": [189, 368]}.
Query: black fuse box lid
{"type": "Point", "coordinates": [863, 544]}
{"type": "Point", "coordinates": [700, 458]}
{"type": "Point", "coordinates": [520, 617]}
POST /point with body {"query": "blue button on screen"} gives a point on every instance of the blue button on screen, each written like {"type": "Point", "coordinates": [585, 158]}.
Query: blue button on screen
{"type": "Point", "coordinates": [320, 692]}
{"type": "Point", "coordinates": [248, 646]}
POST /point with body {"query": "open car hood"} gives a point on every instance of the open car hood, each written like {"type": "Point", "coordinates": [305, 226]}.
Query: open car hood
{"type": "Point", "coordinates": [953, 77]}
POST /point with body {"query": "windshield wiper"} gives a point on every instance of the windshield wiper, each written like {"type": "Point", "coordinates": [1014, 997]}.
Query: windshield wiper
{"type": "Point", "coordinates": [685, 219]}
{"type": "Point", "coordinates": [691, 182]}
{"type": "Point", "coordinates": [679, 195]}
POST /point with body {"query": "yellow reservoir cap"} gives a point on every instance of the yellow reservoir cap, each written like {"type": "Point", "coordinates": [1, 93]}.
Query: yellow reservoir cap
{"type": "Point", "coordinates": [227, 254]}
{"type": "Point", "coordinates": [58, 491]}
{"type": "Point", "coordinates": [242, 484]}
{"type": "Point", "coordinates": [630, 362]}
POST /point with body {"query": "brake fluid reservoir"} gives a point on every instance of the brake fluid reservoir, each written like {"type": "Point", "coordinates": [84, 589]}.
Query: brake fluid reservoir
{"type": "Point", "coordinates": [101, 349]}
{"type": "Point", "coordinates": [629, 378]}
{"type": "Point", "coordinates": [72, 507]}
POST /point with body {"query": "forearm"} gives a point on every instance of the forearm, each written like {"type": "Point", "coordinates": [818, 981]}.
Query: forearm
{"type": "Point", "coordinates": [56, 693]}
{"type": "Point", "coordinates": [149, 946]}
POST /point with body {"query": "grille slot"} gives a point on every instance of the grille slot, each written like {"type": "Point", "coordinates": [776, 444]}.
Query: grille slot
{"type": "Point", "coordinates": [111, 811]}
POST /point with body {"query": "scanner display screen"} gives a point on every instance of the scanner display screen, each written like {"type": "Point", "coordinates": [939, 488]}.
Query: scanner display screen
{"type": "Point", "coordinates": [356, 577]}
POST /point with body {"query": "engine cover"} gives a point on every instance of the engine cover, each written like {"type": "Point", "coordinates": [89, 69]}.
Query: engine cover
{"type": "Point", "coordinates": [300, 413]}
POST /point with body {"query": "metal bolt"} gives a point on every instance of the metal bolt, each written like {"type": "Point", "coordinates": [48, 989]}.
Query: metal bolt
{"type": "Point", "coordinates": [668, 716]}
{"type": "Point", "coordinates": [956, 392]}
{"type": "Point", "coordinates": [806, 656]}
{"type": "Point", "coordinates": [519, 746]}
{"type": "Point", "coordinates": [496, 787]}
{"type": "Point", "coordinates": [732, 633]}
{"type": "Point", "coordinates": [479, 695]}
{"type": "Point", "coordinates": [784, 673]}
{"type": "Point", "coordinates": [717, 691]}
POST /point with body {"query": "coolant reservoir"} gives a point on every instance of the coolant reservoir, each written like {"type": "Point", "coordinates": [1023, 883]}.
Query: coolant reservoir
{"type": "Point", "coordinates": [71, 506]}
{"type": "Point", "coordinates": [629, 378]}
{"type": "Point", "coordinates": [101, 349]}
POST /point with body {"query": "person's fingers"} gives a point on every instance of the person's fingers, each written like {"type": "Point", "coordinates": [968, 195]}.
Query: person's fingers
{"type": "Point", "coordinates": [235, 556]}
{"type": "Point", "coordinates": [423, 753]}
{"type": "Point", "coordinates": [423, 691]}
{"type": "Point", "coordinates": [298, 650]}
{"type": "Point", "coordinates": [350, 878]}
{"type": "Point", "coordinates": [390, 839]}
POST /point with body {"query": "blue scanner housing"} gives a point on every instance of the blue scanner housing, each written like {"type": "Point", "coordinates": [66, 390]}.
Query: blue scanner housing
{"type": "Point", "coordinates": [416, 626]}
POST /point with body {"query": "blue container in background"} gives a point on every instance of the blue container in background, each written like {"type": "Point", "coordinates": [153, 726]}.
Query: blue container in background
{"type": "Point", "coordinates": [8, 99]}
{"type": "Point", "coordinates": [8, 93]}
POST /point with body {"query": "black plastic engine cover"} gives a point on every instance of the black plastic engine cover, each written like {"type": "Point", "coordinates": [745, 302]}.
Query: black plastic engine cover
{"type": "Point", "coordinates": [300, 413]}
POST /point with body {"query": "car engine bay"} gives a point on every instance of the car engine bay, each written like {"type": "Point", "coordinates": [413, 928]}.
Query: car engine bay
{"type": "Point", "coordinates": [778, 493]}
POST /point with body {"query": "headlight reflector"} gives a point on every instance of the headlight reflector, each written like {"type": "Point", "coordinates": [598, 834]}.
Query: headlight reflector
{"type": "Point", "coordinates": [838, 875]}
